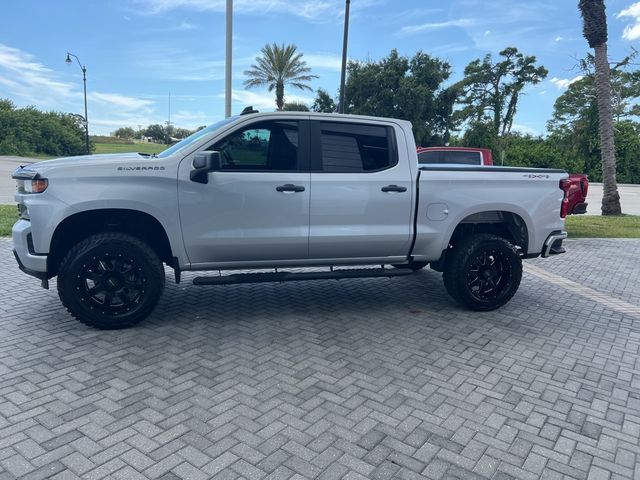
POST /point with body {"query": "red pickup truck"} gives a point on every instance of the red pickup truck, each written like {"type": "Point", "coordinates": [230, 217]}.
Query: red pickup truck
{"type": "Point", "coordinates": [577, 187]}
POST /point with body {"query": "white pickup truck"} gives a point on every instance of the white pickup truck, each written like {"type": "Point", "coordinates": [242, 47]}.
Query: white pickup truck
{"type": "Point", "coordinates": [279, 190]}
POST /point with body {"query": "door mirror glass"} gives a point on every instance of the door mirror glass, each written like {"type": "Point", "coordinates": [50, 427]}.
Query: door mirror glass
{"type": "Point", "coordinates": [203, 163]}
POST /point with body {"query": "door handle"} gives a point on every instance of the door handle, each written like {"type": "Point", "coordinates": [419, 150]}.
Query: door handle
{"type": "Point", "coordinates": [394, 188]}
{"type": "Point", "coordinates": [290, 187]}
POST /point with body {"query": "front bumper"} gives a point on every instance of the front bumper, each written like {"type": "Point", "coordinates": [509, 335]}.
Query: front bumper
{"type": "Point", "coordinates": [28, 261]}
{"type": "Point", "coordinates": [553, 244]}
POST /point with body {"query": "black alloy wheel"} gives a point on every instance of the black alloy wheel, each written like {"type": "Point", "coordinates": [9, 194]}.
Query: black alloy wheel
{"type": "Point", "coordinates": [110, 280]}
{"type": "Point", "coordinates": [482, 272]}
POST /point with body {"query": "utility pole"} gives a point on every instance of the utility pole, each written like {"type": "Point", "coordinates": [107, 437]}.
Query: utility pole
{"type": "Point", "coordinates": [345, 42]}
{"type": "Point", "coordinates": [229, 55]}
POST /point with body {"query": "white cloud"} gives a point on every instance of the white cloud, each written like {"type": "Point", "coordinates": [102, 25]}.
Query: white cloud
{"type": "Point", "coordinates": [563, 83]}
{"type": "Point", "coordinates": [177, 64]}
{"type": "Point", "coordinates": [323, 61]}
{"type": "Point", "coordinates": [264, 101]}
{"type": "Point", "coordinates": [412, 29]}
{"type": "Point", "coordinates": [29, 80]}
{"type": "Point", "coordinates": [306, 9]}
{"type": "Point", "coordinates": [122, 101]}
{"type": "Point", "coordinates": [183, 26]}
{"type": "Point", "coordinates": [525, 129]}
{"type": "Point", "coordinates": [631, 32]}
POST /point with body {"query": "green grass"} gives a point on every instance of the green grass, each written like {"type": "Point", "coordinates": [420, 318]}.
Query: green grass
{"type": "Point", "coordinates": [129, 147]}
{"type": "Point", "coordinates": [114, 147]}
{"type": "Point", "coordinates": [108, 139]}
{"type": "Point", "coordinates": [8, 216]}
{"type": "Point", "coordinates": [592, 226]}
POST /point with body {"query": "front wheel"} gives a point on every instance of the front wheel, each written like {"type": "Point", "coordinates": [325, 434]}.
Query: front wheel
{"type": "Point", "coordinates": [483, 272]}
{"type": "Point", "coordinates": [110, 280]}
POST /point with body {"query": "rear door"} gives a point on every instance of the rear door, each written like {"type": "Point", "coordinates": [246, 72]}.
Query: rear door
{"type": "Point", "coordinates": [362, 193]}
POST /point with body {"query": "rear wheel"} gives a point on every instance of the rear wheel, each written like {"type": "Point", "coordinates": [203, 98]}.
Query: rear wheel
{"type": "Point", "coordinates": [483, 272]}
{"type": "Point", "coordinates": [110, 280]}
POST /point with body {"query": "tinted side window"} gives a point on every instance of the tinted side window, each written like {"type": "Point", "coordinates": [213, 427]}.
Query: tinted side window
{"type": "Point", "coordinates": [352, 148]}
{"type": "Point", "coordinates": [461, 157]}
{"type": "Point", "coordinates": [429, 157]}
{"type": "Point", "coordinates": [268, 146]}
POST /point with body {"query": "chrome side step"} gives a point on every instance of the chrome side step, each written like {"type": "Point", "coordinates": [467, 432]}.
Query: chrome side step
{"type": "Point", "coordinates": [237, 278]}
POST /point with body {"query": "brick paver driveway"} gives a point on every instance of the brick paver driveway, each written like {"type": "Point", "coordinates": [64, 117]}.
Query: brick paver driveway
{"type": "Point", "coordinates": [351, 379]}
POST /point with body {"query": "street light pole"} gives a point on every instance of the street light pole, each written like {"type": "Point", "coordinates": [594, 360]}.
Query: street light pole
{"type": "Point", "coordinates": [345, 42]}
{"type": "Point", "coordinates": [86, 115]}
{"type": "Point", "coordinates": [229, 55]}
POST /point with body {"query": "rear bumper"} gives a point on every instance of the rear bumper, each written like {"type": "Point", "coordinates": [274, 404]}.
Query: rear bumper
{"type": "Point", "coordinates": [553, 244]}
{"type": "Point", "coordinates": [579, 208]}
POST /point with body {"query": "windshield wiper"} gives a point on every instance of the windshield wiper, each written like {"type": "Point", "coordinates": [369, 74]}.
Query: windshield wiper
{"type": "Point", "coordinates": [144, 154]}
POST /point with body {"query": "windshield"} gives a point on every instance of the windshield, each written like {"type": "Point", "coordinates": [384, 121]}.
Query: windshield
{"type": "Point", "coordinates": [193, 138]}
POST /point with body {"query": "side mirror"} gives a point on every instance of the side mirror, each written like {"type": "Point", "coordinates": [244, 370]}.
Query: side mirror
{"type": "Point", "coordinates": [203, 163]}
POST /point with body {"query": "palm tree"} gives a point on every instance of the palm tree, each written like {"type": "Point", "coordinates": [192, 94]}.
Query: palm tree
{"type": "Point", "coordinates": [594, 30]}
{"type": "Point", "coordinates": [276, 67]}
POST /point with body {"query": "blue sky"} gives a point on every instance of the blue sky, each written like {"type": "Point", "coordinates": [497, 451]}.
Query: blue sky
{"type": "Point", "coordinates": [137, 51]}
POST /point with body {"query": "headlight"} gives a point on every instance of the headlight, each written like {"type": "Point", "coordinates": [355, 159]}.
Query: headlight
{"type": "Point", "coordinates": [38, 185]}
{"type": "Point", "coordinates": [29, 181]}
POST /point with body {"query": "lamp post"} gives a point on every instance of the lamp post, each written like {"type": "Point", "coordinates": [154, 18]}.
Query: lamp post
{"type": "Point", "coordinates": [345, 42]}
{"type": "Point", "coordinates": [84, 80]}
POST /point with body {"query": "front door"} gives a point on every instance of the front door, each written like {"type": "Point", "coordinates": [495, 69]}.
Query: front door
{"type": "Point", "coordinates": [256, 207]}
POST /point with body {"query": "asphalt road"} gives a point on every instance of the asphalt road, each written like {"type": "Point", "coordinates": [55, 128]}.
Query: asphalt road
{"type": "Point", "coordinates": [7, 184]}
{"type": "Point", "coordinates": [629, 194]}
{"type": "Point", "coordinates": [629, 198]}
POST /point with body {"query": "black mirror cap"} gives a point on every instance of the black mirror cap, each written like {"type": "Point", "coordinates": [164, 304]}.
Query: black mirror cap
{"type": "Point", "coordinates": [203, 163]}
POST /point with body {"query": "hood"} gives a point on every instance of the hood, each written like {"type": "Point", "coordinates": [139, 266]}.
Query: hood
{"type": "Point", "coordinates": [86, 160]}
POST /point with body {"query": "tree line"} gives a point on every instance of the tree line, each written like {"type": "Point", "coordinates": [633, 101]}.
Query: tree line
{"type": "Point", "coordinates": [25, 131]}
{"type": "Point", "coordinates": [155, 132]}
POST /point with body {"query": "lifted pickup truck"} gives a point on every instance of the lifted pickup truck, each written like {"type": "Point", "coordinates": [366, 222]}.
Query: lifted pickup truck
{"type": "Point", "coordinates": [279, 190]}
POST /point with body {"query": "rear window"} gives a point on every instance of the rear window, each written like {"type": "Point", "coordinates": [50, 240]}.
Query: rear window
{"type": "Point", "coordinates": [456, 157]}
{"type": "Point", "coordinates": [429, 157]}
{"type": "Point", "coordinates": [353, 148]}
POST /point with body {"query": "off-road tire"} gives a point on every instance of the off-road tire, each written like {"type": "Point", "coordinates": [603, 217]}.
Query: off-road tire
{"type": "Point", "coordinates": [482, 272]}
{"type": "Point", "coordinates": [110, 280]}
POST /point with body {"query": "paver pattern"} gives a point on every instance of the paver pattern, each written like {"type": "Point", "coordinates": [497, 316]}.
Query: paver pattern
{"type": "Point", "coordinates": [377, 379]}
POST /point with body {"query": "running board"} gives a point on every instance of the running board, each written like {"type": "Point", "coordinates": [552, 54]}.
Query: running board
{"type": "Point", "coordinates": [294, 277]}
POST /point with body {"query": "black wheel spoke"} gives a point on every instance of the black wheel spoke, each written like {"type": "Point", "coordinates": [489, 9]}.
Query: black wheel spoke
{"type": "Point", "coordinates": [108, 298]}
{"type": "Point", "coordinates": [124, 297]}
{"type": "Point", "coordinates": [96, 289]}
{"type": "Point", "coordinates": [486, 277]}
{"type": "Point", "coordinates": [112, 283]}
{"type": "Point", "coordinates": [133, 284]}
